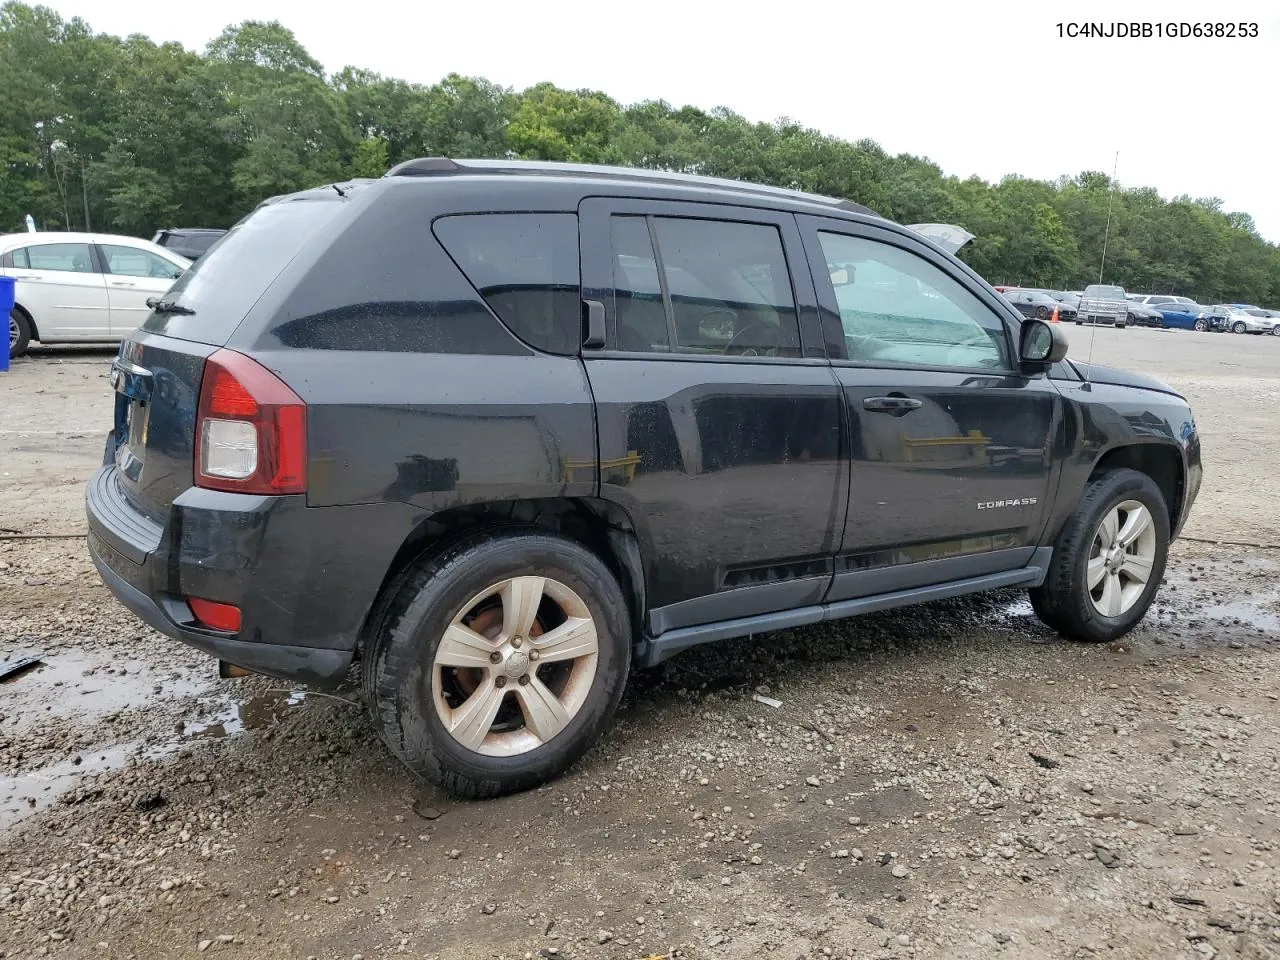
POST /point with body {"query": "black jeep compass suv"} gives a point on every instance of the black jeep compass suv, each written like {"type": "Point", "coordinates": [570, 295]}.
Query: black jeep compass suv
{"type": "Point", "coordinates": [499, 430]}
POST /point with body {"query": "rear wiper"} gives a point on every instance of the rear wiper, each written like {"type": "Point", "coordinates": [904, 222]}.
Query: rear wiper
{"type": "Point", "coordinates": [168, 306]}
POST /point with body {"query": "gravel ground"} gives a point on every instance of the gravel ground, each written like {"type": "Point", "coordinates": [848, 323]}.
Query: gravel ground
{"type": "Point", "coordinates": [951, 781]}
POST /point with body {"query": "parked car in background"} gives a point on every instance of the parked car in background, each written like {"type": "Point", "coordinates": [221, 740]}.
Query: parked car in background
{"type": "Point", "coordinates": [1142, 315]}
{"type": "Point", "coordinates": [1274, 315]}
{"type": "Point", "coordinates": [1151, 299]}
{"type": "Point", "coordinates": [1069, 299]}
{"type": "Point", "coordinates": [1184, 316]}
{"type": "Point", "coordinates": [499, 497]}
{"type": "Point", "coordinates": [1247, 319]}
{"type": "Point", "coordinates": [1103, 303]}
{"type": "Point", "coordinates": [190, 242]}
{"type": "Point", "coordinates": [82, 287]}
{"type": "Point", "coordinates": [1036, 303]}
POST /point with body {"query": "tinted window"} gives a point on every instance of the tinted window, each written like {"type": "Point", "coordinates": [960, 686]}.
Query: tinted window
{"type": "Point", "coordinates": [727, 288]}
{"type": "Point", "coordinates": [639, 315]}
{"type": "Point", "coordinates": [132, 262]}
{"type": "Point", "coordinates": [67, 257]}
{"type": "Point", "coordinates": [897, 307]}
{"type": "Point", "coordinates": [223, 286]}
{"type": "Point", "coordinates": [525, 265]}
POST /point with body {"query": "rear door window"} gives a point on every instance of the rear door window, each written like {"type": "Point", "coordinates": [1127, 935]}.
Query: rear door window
{"type": "Point", "coordinates": [723, 288]}
{"type": "Point", "coordinates": [63, 257]}
{"type": "Point", "coordinates": [525, 265]}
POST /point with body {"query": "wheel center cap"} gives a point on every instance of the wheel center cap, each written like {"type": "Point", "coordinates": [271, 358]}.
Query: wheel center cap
{"type": "Point", "coordinates": [517, 664]}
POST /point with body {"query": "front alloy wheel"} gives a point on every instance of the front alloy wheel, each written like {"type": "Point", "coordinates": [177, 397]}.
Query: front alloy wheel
{"type": "Point", "coordinates": [1201, 326]}
{"type": "Point", "coordinates": [1108, 559]}
{"type": "Point", "coordinates": [1238, 327]}
{"type": "Point", "coordinates": [1120, 560]}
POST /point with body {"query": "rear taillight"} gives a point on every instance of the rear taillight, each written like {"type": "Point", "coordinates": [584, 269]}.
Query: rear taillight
{"type": "Point", "coordinates": [251, 429]}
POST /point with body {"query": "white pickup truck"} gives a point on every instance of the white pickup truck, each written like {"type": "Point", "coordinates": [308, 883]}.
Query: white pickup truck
{"type": "Point", "coordinates": [1103, 304]}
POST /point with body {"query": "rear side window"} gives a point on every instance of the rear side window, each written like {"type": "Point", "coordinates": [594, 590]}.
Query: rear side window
{"type": "Point", "coordinates": [222, 287]}
{"type": "Point", "coordinates": [525, 265]}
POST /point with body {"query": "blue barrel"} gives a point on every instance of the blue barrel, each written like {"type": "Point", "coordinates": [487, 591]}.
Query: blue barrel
{"type": "Point", "coordinates": [6, 305]}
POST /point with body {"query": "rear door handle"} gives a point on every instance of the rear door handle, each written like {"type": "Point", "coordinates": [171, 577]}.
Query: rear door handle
{"type": "Point", "coordinates": [25, 276]}
{"type": "Point", "coordinates": [894, 405]}
{"type": "Point", "coordinates": [595, 325]}
{"type": "Point", "coordinates": [123, 283]}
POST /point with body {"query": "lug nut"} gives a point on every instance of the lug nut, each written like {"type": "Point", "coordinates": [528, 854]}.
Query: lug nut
{"type": "Point", "coordinates": [500, 682]}
{"type": "Point", "coordinates": [524, 680]}
{"type": "Point", "coordinates": [495, 657]}
{"type": "Point", "coordinates": [533, 654]}
{"type": "Point", "coordinates": [516, 641]}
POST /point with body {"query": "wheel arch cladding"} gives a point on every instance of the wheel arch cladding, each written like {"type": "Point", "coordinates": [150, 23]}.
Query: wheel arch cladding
{"type": "Point", "coordinates": [1161, 462]}
{"type": "Point", "coordinates": [601, 526]}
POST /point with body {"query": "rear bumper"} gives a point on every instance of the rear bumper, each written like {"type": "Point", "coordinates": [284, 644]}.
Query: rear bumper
{"type": "Point", "coordinates": [304, 578]}
{"type": "Point", "coordinates": [321, 668]}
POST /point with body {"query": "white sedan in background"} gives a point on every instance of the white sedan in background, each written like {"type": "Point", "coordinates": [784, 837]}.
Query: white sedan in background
{"type": "Point", "coordinates": [82, 287]}
{"type": "Point", "coordinates": [1242, 319]}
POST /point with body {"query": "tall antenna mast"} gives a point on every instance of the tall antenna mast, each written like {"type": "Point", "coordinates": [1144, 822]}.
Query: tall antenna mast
{"type": "Point", "coordinates": [1106, 235]}
{"type": "Point", "coordinates": [1111, 199]}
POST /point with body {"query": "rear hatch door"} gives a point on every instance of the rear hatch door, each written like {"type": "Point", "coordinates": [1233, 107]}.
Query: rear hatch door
{"type": "Point", "coordinates": [159, 369]}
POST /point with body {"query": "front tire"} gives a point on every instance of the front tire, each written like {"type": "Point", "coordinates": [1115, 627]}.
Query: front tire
{"type": "Point", "coordinates": [1238, 327]}
{"type": "Point", "coordinates": [1201, 326]}
{"type": "Point", "coordinates": [498, 662]}
{"type": "Point", "coordinates": [19, 333]}
{"type": "Point", "coordinates": [1108, 561]}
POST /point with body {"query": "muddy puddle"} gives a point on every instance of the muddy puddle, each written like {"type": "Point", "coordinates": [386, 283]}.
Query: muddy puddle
{"type": "Point", "coordinates": [210, 717]}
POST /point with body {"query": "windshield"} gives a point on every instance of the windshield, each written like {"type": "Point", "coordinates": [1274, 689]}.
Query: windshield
{"type": "Point", "coordinates": [1100, 292]}
{"type": "Point", "coordinates": [222, 286]}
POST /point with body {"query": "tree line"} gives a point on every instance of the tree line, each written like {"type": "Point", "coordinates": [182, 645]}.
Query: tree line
{"type": "Point", "coordinates": [124, 135]}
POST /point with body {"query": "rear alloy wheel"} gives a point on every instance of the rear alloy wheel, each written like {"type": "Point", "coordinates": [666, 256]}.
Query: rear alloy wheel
{"type": "Point", "coordinates": [1201, 326]}
{"type": "Point", "coordinates": [19, 332]}
{"type": "Point", "coordinates": [499, 661]}
{"type": "Point", "coordinates": [1238, 327]}
{"type": "Point", "coordinates": [1275, 331]}
{"type": "Point", "coordinates": [1108, 561]}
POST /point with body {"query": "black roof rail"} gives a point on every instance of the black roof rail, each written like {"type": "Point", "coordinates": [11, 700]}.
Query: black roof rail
{"type": "Point", "coordinates": [438, 166]}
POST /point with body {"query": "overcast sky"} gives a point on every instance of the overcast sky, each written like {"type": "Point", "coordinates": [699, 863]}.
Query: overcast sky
{"type": "Point", "coordinates": [984, 88]}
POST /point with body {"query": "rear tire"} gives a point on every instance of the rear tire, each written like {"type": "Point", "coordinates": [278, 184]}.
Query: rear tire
{"type": "Point", "coordinates": [19, 333]}
{"type": "Point", "coordinates": [1081, 597]}
{"type": "Point", "coordinates": [424, 699]}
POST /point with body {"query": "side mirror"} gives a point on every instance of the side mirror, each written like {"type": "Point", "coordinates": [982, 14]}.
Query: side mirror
{"type": "Point", "coordinates": [1043, 344]}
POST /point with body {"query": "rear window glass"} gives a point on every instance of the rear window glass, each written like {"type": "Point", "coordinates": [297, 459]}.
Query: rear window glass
{"type": "Point", "coordinates": [223, 286]}
{"type": "Point", "coordinates": [525, 265]}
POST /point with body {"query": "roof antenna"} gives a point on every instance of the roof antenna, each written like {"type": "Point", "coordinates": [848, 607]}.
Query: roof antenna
{"type": "Point", "coordinates": [1106, 235]}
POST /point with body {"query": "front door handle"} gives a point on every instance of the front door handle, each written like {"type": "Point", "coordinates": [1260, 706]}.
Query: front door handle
{"type": "Point", "coordinates": [894, 405]}
{"type": "Point", "coordinates": [26, 276]}
{"type": "Point", "coordinates": [123, 283]}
